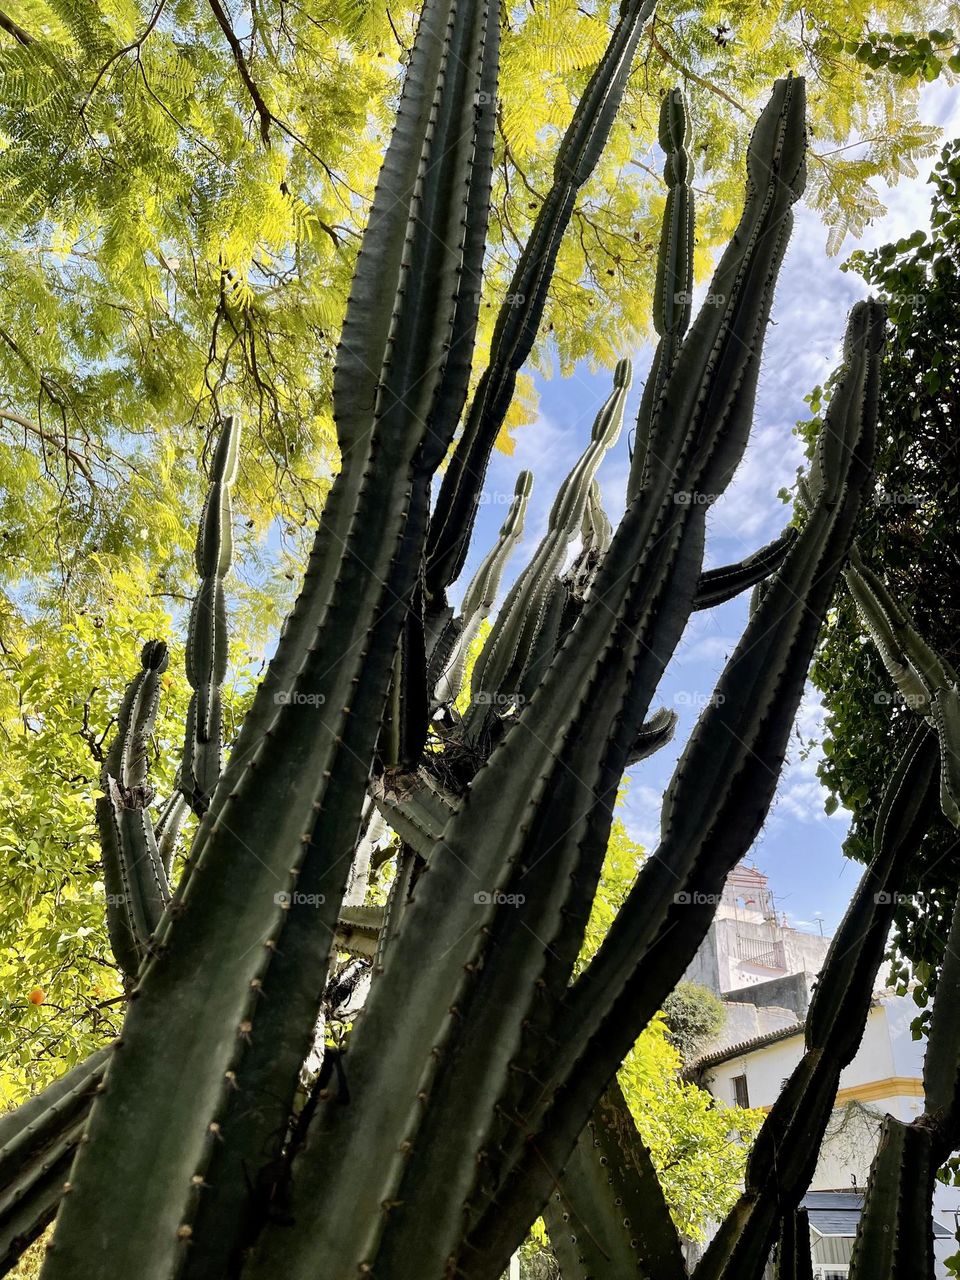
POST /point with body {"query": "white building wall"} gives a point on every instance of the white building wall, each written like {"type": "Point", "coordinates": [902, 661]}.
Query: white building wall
{"type": "Point", "coordinates": [888, 1056]}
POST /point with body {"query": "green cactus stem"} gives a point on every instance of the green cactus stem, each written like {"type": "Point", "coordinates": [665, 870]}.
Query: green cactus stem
{"type": "Point", "coordinates": [794, 1255]}
{"type": "Point", "coordinates": [674, 283]}
{"type": "Point", "coordinates": [716, 586]}
{"type": "Point", "coordinates": [515, 330]}
{"type": "Point", "coordinates": [654, 937]}
{"type": "Point", "coordinates": [286, 811]}
{"type": "Point", "coordinates": [481, 594]}
{"type": "Point", "coordinates": [608, 1216]}
{"type": "Point", "coordinates": [786, 1149]}
{"type": "Point", "coordinates": [37, 1143]}
{"type": "Point", "coordinates": [631, 622]}
{"type": "Point", "coordinates": [927, 682]}
{"type": "Point", "coordinates": [894, 1238]}
{"type": "Point", "coordinates": [654, 734]}
{"type": "Point", "coordinates": [207, 640]}
{"type": "Point", "coordinates": [134, 875]}
{"type": "Point", "coordinates": [500, 666]}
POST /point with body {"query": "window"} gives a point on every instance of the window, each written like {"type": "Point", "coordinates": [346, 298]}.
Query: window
{"type": "Point", "coordinates": [740, 1095]}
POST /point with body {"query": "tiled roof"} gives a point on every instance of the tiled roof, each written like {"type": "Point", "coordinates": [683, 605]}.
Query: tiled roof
{"type": "Point", "coordinates": [745, 1046]}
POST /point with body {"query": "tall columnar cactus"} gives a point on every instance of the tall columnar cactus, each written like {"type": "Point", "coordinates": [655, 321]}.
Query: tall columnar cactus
{"type": "Point", "coordinates": [481, 594]}
{"type": "Point", "coordinates": [500, 667]}
{"type": "Point", "coordinates": [471, 1020]}
{"type": "Point", "coordinates": [207, 640]}
{"type": "Point", "coordinates": [430, 1142]}
{"type": "Point", "coordinates": [451, 524]}
{"type": "Point", "coordinates": [706, 827]}
{"type": "Point", "coordinates": [672, 296]}
{"type": "Point", "coordinates": [272, 855]}
{"type": "Point", "coordinates": [895, 1233]}
{"type": "Point", "coordinates": [134, 874]}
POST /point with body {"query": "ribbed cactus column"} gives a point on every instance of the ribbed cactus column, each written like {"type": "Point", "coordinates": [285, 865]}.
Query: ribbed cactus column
{"type": "Point", "coordinates": [712, 812]}
{"type": "Point", "coordinates": [786, 1149]}
{"type": "Point", "coordinates": [183, 1142]}
{"type": "Point", "coordinates": [608, 1216]}
{"type": "Point", "coordinates": [794, 1256]}
{"type": "Point", "coordinates": [481, 594]}
{"type": "Point", "coordinates": [673, 289]}
{"type": "Point", "coordinates": [895, 1234]}
{"type": "Point", "coordinates": [549, 785]}
{"type": "Point", "coordinates": [451, 525]}
{"type": "Point", "coordinates": [927, 682]}
{"type": "Point", "coordinates": [501, 663]}
{"type": "Point", "coordinates": [134, 875]}
{"type": "Point", "coordinates": [207, 641]}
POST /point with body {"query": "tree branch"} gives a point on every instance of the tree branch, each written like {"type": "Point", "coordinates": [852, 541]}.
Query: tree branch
{"type": "Point", "coordinates": [692, 75]}
{"type": "Point", "coordinates": [18, 33]}
{"type": "Point", "coordinates": [264, 113]}
{"type": "Point", "coordinates": [55, 442]}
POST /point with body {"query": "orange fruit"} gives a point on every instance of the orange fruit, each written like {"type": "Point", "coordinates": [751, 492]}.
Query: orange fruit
{"type": "Point", "coordinates": [37, 995]}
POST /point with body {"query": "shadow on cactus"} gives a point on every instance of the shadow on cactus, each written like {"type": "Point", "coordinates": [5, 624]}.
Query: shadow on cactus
{"type": "Point", "coordinates": [425, 1145]}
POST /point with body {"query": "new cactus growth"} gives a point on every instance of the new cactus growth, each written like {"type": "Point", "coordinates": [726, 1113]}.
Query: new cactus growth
{"type": "Point", "coordinates": [482, 591]}
{"type": "Point", "coordinates": [503, 660]}
{"type": "Point", "coordinates": [482, 1056]}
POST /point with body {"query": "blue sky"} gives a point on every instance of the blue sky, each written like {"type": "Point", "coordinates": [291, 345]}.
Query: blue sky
{"type": "Point", "coordinates": [799, 847]}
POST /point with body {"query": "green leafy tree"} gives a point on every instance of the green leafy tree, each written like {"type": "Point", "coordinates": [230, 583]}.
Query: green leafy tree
{"type": "Point", "coordinates": [694, 1015]}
